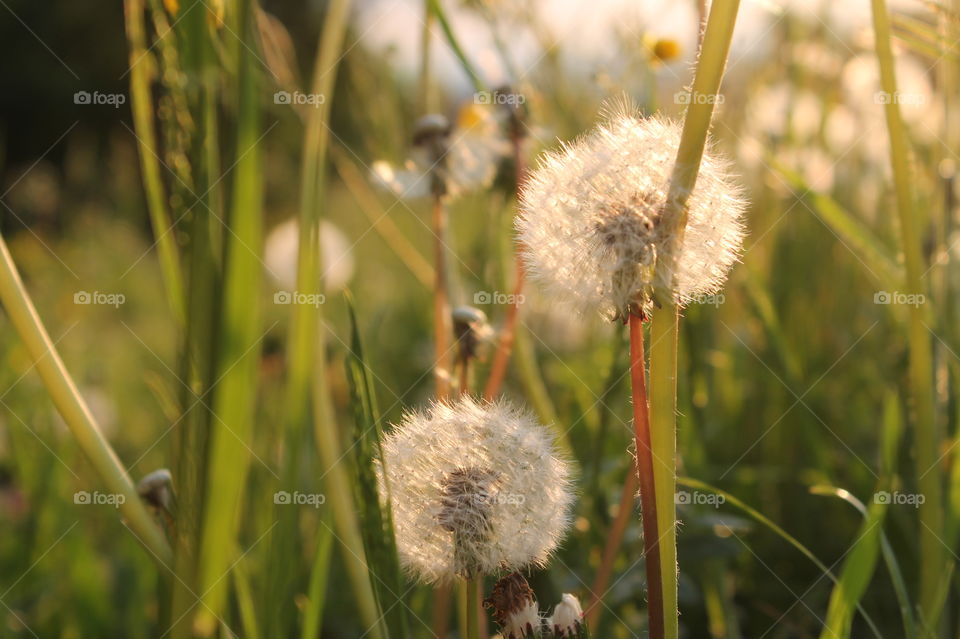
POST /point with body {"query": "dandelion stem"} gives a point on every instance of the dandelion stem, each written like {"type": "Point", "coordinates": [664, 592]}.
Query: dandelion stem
{"type": "Point", "coordinates": [498, 369]}
{"type": "Point", "coordinates": [645, 474]}
{"type": "Point", "coordinates": [441, 304]}
{"type": "Point", "coordinates": [473, 616]}
{"type": "Point", "coordinates": [73, 409]}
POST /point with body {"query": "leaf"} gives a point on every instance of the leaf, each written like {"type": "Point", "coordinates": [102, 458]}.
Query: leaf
{"type": "Point", "coordinates": [879, 259]}
{"type": "Point", "coordinates": [376, 518]}
{"type": "Point", "coordinates": [780, 532]}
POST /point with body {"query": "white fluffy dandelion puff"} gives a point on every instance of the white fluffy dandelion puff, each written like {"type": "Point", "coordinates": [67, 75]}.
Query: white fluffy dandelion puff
{"type": "Point", "coordinates": [475, 488]}
{"type": "Point", "coordinates": [592, 219]}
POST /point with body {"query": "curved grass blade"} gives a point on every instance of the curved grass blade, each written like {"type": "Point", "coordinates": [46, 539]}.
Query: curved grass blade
{"type": "Point", "coordinates": [780, 532]}
{"type": "Point", "coordinates": [376, 518]}
{"type": "Point", "coordinates": [879, 259]}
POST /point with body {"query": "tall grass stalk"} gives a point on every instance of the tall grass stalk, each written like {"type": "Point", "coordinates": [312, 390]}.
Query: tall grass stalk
{"type": "Point", "coordinates": [926, 437]}
{"type": "Point", "coordinates": [141, 107]}
{"type": "Point", "coordinates": [74, 410]}
{"type": "Point", "coordinates": [234, 403]}
{"type": "Point", "coordinates": [307, 386]}
{"type": "Point", "coordinates": [664, 333]}
{"type": "Point", "coordinates": [197, 367]}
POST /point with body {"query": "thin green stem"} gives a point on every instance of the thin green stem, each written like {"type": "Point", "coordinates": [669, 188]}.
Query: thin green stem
{"type": "Point", "coordinates": [926, 437]}
{"type": "Point", "coordinates": [74, 410]}
{"type": "Point", "coordinates": [473, 616]}
{"type": "Point", "coordinates": [306, 347]}
{"type": "Point", "coordinates": [664, 334]}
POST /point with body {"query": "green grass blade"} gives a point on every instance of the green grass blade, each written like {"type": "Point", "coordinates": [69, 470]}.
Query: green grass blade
{"type": "Point", "coordinates": [879, 259]}
{"type": "Point", "coordinates": [855, 575]}
{"type": "Point", "coordinates": [926, 436]}
{"type": "Point", "coordinates": [780, 532]}
{"type": "Point", "coordinates": [317, 590]}
{"type": "Point", "coordinates": [376, 518]}
{"type": "Point", "coordinates": [436, 9]}
{"type": "Point", "coordinates": [74, 410]}
{"type": "Point", "coordinates": [234, 398]}
{"type": "Point", "coordinates": [141, 107]}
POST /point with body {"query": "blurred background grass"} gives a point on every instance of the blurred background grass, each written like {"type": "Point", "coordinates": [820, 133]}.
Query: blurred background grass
{"type": "Point", "coordinates": [782, 381]}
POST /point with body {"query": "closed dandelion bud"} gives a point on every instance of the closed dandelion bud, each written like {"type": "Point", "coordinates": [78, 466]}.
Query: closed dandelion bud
{"type": "Point", "coordinates": [567, 619]}
{"type": "Point", "coordinates": [593, 228]}
{"type": "Point", "coordinates": [471, 328]}
{"type": "Point", "coordinates": [514, 606]}
{"type": "Point", "coordinates": [475, 488]}
{"type": "Point", "coordinates": [156, 489]}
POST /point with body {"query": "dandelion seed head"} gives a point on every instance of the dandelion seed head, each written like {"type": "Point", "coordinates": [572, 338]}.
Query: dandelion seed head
{"type": "Point", "coordinates": [592, 219]}
{"type": "Point", "coordinates": [474, 488]}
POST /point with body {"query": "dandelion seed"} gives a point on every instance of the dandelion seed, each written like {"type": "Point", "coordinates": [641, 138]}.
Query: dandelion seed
{"type": "Point", "coordinates": [475, 488]}
{"type": "Point", "coordinates": [592, 221]}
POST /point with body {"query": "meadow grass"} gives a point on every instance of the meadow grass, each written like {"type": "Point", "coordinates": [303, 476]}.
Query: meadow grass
{"type": "Point", "coordinates": [797, 527]}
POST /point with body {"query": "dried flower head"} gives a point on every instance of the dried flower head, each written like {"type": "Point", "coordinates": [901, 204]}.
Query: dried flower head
{"type": "Point", "coordinates": [514, 606]}
{"type": "Point", "coordinates": [472, 330]}
{"type": "Point", "coordinates": [475, 488]}
{"type": "Point", "coordinates": [448, 159]}
{"type": "Point", "coordinates": [592, 219]}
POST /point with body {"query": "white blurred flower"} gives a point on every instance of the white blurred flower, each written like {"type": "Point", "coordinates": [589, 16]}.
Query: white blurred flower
{"type": "Point", "coordinates": [782, 109]}
{"type": "Point", "coordinates": [282, 247]}
{"type": "Point", "coordinates": [591, 219]}
{"type": "Point", "coordinates": [475, 488]}
{"type": "Point", "coordinates": [567, 618]}
{"type": "Point", "coordinates": [454, 159]}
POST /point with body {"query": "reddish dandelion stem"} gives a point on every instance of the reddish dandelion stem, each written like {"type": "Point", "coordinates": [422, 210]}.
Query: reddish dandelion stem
{"type": "Point", "coordinates": [648, 499]}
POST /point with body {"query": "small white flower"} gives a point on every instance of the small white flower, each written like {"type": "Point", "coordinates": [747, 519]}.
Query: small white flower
{"type": "Point", "coordinates": [523, 623]}
{"type": "Point", "coordinates": [567, 618]}
{"type": "Point", "coordinates": [282, 247]}
{"type": "Point", "coordinates": [592, 224]}
{"type": "Point", "coordinates": [474, 488]}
